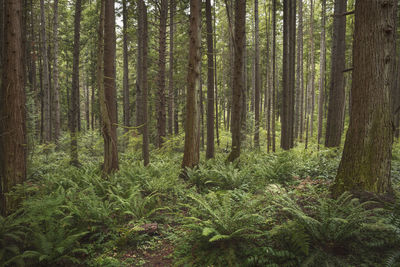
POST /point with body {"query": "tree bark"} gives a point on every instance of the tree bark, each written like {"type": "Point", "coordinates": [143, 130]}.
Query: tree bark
{"type": "Point", "coordinates": [171, 100]}
{"type": "Point", "coordinates": [312, 70]}
{"type": "Point", "coordinates": [300, 73]}
{"type": "Point", "coordinates": [12, 106]}
{"type": "Point", "coordinates": [56, 89]}
{"type": "Point", "coordinates": [216, 77]}
{"type": "Point", "coordinates": [161, 101]}
{"type": "Point", "coordinates": [334, 125]}
{"type": "Point", "coordinates": [74, 107]}
{"type": "Point", "coordinates": [142, 25]}
{"type": "Point", "coordinates": [191, 149]}
{"type": "Point", "coordinates": [108, 97]}
{"type": "Point", "coordinates": [322, 60]}
{"type": "Point", "coordinates": [257, 77]}
{"type": "Point", "coordinates": [273, 111]}
{"type": "Point", "coordinates": [126, 108]}
{"type": "Point", "coordinates": [289, 35]}
{"type": "Point", "coordinates": [45, 73]}
{"type": "Point", "coordinates": [366, 159]}
{"type": "Point", "coordinates": [210, 82]}
{"type": "Point", "coordinates": [238, 79]}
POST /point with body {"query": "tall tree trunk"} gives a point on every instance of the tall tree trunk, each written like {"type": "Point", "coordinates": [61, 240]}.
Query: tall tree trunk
{"type": "Point", "coordinates": [257, 77]}
{"type": "Point", "coordinates": [268, 91]}
{"type": "Point", "coordinates": [12, 106]}
{"type": "Point", "coordinates": [108, 96]}
{"type": "Point", "coordinates": [366, 159]}
{"type": "Point", "coordinates": [191, 149]}
{"type": "Point", "coordinates": [216, 77]}
{"type": "Point", "coordinates": [74, 107]}
{"type": "Point", "coordinates": [45, 73]}
{"type": "Point", "coordinates": [161, 101]}
{"type": "Point", "coordinates": [312, 69]}
{"type": "Point", "coordinates": [171, 101]}
{"type": "Point", "coordinates": [126, 108]}
{"type": "Point", "coordinates": [143, 41]}
{"type": "Point", "coordinates": [337, 95]}
{"type": "Point", "coordinates": [210, 83]}
{"type": "Point", "coordinates": [274, 89]}
{"type": "Point", "coordinates": [300, 73]}
{"type": "Point", "coordinates": [56, 89]}
{"type": "Point", "coordinates": [321, 75]}
{"type": "Point", "coordinates": [87, 101]}
{"type": "Point", "coordinates": [289, 35]}
{"type": "Point", "coordinates": [238, 82]}
{"type": "Point", "coordinates": [1, 35]}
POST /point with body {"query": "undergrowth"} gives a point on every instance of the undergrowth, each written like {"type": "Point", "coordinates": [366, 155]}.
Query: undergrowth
{"type": "Point", "coordinates": [263, 210]}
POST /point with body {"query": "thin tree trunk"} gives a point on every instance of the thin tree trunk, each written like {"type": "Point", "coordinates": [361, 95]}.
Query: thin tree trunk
{"type": "Point", "coordinates": [56, 89]}
{"type": "Point", "coordinates": [75, 110]}
{"type": "Point", "coordinates": [210, 83]}
{"type": "Point", "coordinates": [12, 106]}
{"type": "Point", "coordinates": [337, 93]}
{"type": "Point", "coordinates": [143, 41]}
{"type": "Point", "coordinates": [257, 78]}
{"type": "Point", "coordinates": [126, 108]}
{"type": "Point", "coordinates": [216, 77]}
{"type": "Point", "coordinates": [171, 68]}
{"type": "Point", "coordinates": [274, 89]}
{"type": "Point", "coordinates": [161, 101]}
{"type": "Point", "coordinates": [312, 69]}
{"type": "Point", "coordinates": [191, 149]}
{"type": "Point", "coordinates": [238, 83]}
{"type": "Point", "coordinates": [300, 72]}
{"type": "Point", "coordinates": [321, 75]}
{"type": "Point", "coordinates": [45, 73]}
{"type": "Point", "coordinates": [366, 159]}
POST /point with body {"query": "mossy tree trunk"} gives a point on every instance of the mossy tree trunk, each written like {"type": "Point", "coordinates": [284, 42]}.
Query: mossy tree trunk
{"type": "Point", "coordinates": [366, 160]}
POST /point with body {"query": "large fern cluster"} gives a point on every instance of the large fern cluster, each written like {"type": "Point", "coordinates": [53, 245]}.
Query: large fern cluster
{"type": "Point", "coordinates": [329, 231]}
{"type": "Point", "coordinates": [220, 228]}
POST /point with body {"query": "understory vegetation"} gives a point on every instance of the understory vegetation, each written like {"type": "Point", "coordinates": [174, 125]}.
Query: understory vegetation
{"type": "Point", "coordinates": [263, 210]}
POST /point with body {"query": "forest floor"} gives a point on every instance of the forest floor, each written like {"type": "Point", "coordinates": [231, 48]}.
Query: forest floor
{"type": "Point", "coordinates": [264, 210]}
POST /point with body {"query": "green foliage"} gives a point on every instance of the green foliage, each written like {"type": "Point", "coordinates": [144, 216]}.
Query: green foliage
{"type": "Point", "coordinates": [328, 230]}
{"type": "Point", "coordinates": [220, 228]}
{"type": "Point", "coordinates": [11, 238]}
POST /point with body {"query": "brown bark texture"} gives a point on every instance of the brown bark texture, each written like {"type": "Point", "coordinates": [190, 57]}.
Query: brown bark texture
{"type": "Point", "coordinates": [238, 79]}
{"type": "Point", "coordinates": [108, 98]}
{"type": "Point", "coordinates": [366, 159]}
{"type": "Point", "coordinates": [334, 123]}
{"type": "Point", "coordinates": [210, 82]}
{"type": "Point", "coordinates": [12, 106]}
{"type": "Point", "coordinates": [191, 149]}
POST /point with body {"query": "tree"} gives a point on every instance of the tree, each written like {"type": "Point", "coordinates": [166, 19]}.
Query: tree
{"type": "Point", "coordinates": [299, 127]}
{"type": "Point", "coordinates": [257, 77]}
{"type": "Point", "coordinates": [108, 96]}
{"type": "Point", "coordinates": [321, 74]}
{"type": "Point", "coordinates": [312, 74]}
{"type": "Point", "coordinates": [142, 60]}
{"type": "Point", "coordinates": [126, 109]}
{"type": "Point", "coordinates": [56, 89]}
{"type": "Point", "coordinates": [171, 100]}
{"type": "Point", "coordinates": [366, 159]}
{"type": "Point", "coordinates": [334, 124]}
{"type": "Point", "coordinates": [45, 77]}
{"type": "Point", "coordinates": [238, 79]}
{"type": "Point", "coordinates": [161, 101]}
{"type": "Point", "coordinates": [289, 44]}
{"type": "Point", "coordinates": [274, 89]}
{"type": "Point", "coordinates": [210, 83]}
{"type": "Point", "coordinates": [191, 149]}
{"type": "Point", "coordinates": [12, 105]}
{"type": "Point", "coordinates": [74, 105]}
